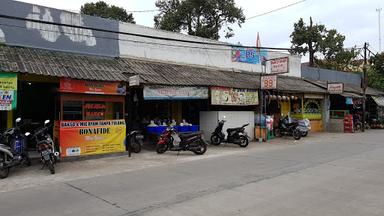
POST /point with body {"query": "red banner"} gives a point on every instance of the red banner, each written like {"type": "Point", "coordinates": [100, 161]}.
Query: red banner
{"type": "Point", "coordinates": [92, 87]}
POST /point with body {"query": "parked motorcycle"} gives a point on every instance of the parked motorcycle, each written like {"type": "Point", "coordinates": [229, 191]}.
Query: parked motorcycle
{"type": "Point", "coordinates": [13, 152]}
{"type": "Point", "coordinates": [134, 141]}
{"type": "Point", "coordinates": [45, 147]}
{"type": "Point", "coordinates": [188, 142]}
{"type": "Point", "coordinates": [304, 125]}
{"type": "Point", "coordinates": [288, 129]}
{"type": "Point", "coordinates": [235, 135]}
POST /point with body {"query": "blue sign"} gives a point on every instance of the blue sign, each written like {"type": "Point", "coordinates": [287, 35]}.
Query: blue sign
{"type": "Point", "coordinates": [248, 55]}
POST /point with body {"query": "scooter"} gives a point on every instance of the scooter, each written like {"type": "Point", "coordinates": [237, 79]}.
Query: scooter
{"type": "Point", "coordinates": [134, 141]}
{"type": "Point", "coordinates": [235, 135]}
{"type": "Point", "coordinates": [288, 129]}
{"type": "Point", "coordinates": [13, 153]}
{"type": "Point", "coordinates": [45, 147]}
{"type": "Point", "coordinates": [187, 142]}
{"type": "Point", "coordinates": [304, 125]}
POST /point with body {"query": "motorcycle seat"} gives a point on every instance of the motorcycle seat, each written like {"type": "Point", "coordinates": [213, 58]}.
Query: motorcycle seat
{"type": "Point", "coordinates": [233, 129]}
{"type": "Point", "coordinates": [188, 135]}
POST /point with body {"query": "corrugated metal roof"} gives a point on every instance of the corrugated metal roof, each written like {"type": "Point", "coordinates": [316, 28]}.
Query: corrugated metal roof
{"type": "Point", "coordinates": [62, 64]}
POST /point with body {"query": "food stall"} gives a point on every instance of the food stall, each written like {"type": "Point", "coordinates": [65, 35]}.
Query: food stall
{"type": "Point", "coordinates": [91, 118]}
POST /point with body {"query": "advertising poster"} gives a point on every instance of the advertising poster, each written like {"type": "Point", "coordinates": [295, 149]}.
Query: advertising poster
{"type": "Point", "coordinates": [248, 55]}
{"type": "Point", "coordinates": [92, 87]}
{"type": "Point", "coordinates": [233, 96]}
{"type": "Point", "coordinates": [78, 138]}
{"type": "Point", "coordinates": [174, 93]}
{"type": "Point", "coordinates": [8, 91]}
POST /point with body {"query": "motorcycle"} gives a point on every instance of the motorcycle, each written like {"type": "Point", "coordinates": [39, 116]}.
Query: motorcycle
{"type": "Point", "coordinates": [304, 125]}
{"type": "Point", "coordinates": [235, 135]}
{"type": "Point", "coordinates": [187, 142]}
{"type": "Point", "coordinates": [45, 147]}
{"type": "Point", "coordinates": [134, 141]}
{"type": "Point", "coordinates": [13, 152]}
{"type": "Point", "coordinates": [288, 129]}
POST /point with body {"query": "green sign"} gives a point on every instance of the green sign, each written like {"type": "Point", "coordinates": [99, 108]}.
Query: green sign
{"type": "Point", "coordinates": [8, 91]}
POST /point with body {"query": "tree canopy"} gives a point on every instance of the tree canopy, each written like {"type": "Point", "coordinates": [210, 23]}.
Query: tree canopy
{"type": "Point", "coordinates": [102, 9]}
{"type": "Point", "coordinates": [203, 18]}
{"type": "Point", "coordinates": [376, 72]}
{"type": "Point", "coordinates": [316, 38]}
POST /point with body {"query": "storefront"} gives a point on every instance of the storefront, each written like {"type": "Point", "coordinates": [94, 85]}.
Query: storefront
{"type": "Point", "coordinates": [91, 117]}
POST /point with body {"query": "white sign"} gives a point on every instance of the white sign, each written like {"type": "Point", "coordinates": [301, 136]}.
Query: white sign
{"type": "Point", "coordinates": [269, 82]}
{"type": "Point", "coordinates": [174, 93]}
{"type": "Point", "coordinates": [134, 80]}
{"type": "Point", "coordinates": [280, 65]}
{"type": "Point", "coordinates": [335, 88]}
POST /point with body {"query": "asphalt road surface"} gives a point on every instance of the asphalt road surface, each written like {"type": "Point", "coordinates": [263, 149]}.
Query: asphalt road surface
{"type": "Point", "coordinates": [333, 174]}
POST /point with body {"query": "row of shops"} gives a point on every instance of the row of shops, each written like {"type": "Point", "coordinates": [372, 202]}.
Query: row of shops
{"type": "Point", "coordinates": [94, 101]}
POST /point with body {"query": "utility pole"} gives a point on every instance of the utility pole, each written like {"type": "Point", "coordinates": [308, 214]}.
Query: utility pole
{"type": "Point", "coordinates": [364, 84]}
{"type": "Point", "coordinates": [379, 11]}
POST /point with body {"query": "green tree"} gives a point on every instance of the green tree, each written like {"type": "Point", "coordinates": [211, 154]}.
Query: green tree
{"type": "Point", "coordinates": [316, 38]}
{"type": "Point", "coordinates": [376, 72]}
{"type": "Point", "coordinates": [102, 9]}
{"type": "Point", "coordinates": [204, 18]}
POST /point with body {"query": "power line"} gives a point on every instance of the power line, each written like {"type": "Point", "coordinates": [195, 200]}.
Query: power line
{"type": "Point", "coordinates": [139, 35]}
{"type": "Point", "coordinates": [143, 11]}
{"type": "Point", "coordinates": [274, 10]}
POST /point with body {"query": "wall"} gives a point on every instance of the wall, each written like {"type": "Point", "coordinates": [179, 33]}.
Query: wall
{"type": "Point", "coordinates": [331, 75]}
{"type": "Point", "coordinates": [38, 35]}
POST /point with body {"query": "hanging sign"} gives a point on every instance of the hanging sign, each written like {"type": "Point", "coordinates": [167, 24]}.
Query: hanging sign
{"type": "Point", "coordinates": [335, 88]}
{"type": "Point", "coordinates": [233, 96]}
{"type": "Point", "coordinates": [8, 91]}
{"type": "Point", "coordinates": [92, 87]}
{"type": "Point", "coordinates": [279, 65]}
{"type": "Point", "coordinates": [269, 82]}
{"type": "Point", "coordinates": [174, 93]}
{"type": "Point", "coordinates": [248, 55]}
{"type": "Point", "coordinates": [134, 80]}
{"type": "Point", "coordinates": [79, 138]}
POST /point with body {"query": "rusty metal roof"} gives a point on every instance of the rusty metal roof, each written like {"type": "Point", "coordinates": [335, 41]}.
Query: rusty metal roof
{"type": "Point", "coordinates": [62, 64]}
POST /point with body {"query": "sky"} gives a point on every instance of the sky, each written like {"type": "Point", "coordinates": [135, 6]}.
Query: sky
{"type": "Point", "coordinates": [356, 19]}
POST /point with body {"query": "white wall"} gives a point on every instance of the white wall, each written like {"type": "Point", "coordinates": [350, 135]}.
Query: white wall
{"type": "Point", "coordinates": [188, 53]}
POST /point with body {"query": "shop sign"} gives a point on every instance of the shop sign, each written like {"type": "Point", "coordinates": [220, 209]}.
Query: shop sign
{"type": "Point", "coordinates": [233, 96]}
{"type": "Point", "coordinates": [248, 55]}
{"type": "Point", "coordinates": [174, 93]}
{"type": "Point", "coordinates": [335, 88]}
{"type": "Point", "coordinates": [92, 87]}
{"type": "Point", "coordinates": [314, 96]}
{"type": "Point", "coordinates": [94, 110]}
{"type": "Point", "coordinates": [78, 138]}
{"type": "Point", "coordinates": [134, 80]}
{"type": "Point", "coordinates": [8, 91]}
{"type": "Point", "coordinates": [280, 65]}
{"type": "Point", "coordinates": [269, 82]}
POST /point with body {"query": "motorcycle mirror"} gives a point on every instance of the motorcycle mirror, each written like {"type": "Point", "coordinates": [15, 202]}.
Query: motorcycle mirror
{"type": "Point", "coordinates": [27, 134]}
{"type": "Point", "coordinates": [18, 120]}
{"type": "Point", "coordinates": [46, 122]}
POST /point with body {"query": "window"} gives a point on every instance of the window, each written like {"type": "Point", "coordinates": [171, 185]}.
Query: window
{"type": "Point", "coordinates": [72, 110]}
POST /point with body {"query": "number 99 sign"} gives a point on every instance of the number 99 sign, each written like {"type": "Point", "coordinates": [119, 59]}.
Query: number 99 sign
{"type": "Point", "coordinates": [269, 82]}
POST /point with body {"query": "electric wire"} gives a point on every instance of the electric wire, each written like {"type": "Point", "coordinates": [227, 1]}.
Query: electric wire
{"type": "Point", "coordinates": [274, 10]}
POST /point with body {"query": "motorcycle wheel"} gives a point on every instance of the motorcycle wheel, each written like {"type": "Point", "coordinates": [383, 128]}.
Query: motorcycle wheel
{"type": "Point", "coordinates": [243, 141]}
{"type": "Point", "coordinates": [278, 133]}
{"type": "Point", "coordinates": [215, 140]}
{"type": "Point", "coordinates": [136, 146]}
{"type": "Point", "coordinates": [358, 127]}
{"type": "Point", "coordinates": [160, 149]}
{"type": "Point", "coordinates": [4, 171]}
{"type": "Point", "coordinates": [296, 134]}
{"type": "Point", "coordinates": [202, 149]}
{"type": "Point", "coordinates": [51, 167]}
{"type": "Point", "coordinates": [304, 134]}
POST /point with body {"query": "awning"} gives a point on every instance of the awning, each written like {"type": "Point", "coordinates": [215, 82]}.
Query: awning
{"type": "Point", "coordinates": [379, 100]}
{"type": "Point", "coordinates": [351, 95]}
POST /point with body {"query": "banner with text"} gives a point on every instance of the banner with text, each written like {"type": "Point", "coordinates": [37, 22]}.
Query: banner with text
{"type": "Point", "coordinates": [174, 93]}
{"type": "Point", "coordinates": [233, 96]}
{"type": "Point", "coordinates": [8, 91]}
{"type": "Point", "coordinates": [78, 138]}
{"type": "Point", "coordinates": [92, 87]}
{"type": "Point", "coordinates": [248, 55]}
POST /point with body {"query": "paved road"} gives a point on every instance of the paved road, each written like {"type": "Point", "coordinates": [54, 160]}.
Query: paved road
{"type": "Point", "coordinates": [331, 174]}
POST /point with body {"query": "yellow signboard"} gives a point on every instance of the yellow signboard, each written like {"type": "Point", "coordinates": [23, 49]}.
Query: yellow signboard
{"type": "Point", "coordinates": [79, 138]}
{"type": "Point", "coordinates": [8, 91]}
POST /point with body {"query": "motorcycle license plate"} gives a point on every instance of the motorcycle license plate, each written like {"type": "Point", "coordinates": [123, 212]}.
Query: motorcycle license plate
{"type": "Point", "coordinates": [139, 136]}
{"type": "Point", "coordinates": [46, 155]}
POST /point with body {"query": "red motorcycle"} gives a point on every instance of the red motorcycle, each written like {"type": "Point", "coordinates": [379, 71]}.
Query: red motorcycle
{"type": "Point", "coordinates": [188, 142]}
